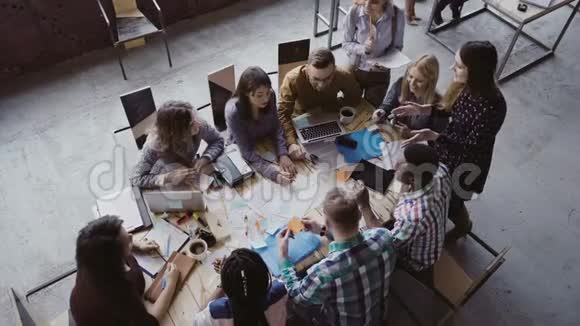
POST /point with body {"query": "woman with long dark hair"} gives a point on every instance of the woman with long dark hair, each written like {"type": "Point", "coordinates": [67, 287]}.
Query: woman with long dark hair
{"type": "Point", "coordinates": [247, 295]}
{"type": "Point", "coordinates": [477, 114]}
{"type": "Point", "coordinates": [170, 153]}
{"type": "Point", "coordinates": [110, 284]}
{"type": "Point", "coordinates": [251, 117]}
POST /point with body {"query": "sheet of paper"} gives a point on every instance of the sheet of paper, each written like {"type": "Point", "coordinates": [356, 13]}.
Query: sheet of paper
{"type": "Point", "coordinates": [121, 204]}
{"type": "Point", "coordinates": [164, 233]}
{"type": "Point", "coordinates": [150, 263]}
{"type": "Point", "coordinates": [392, 59]}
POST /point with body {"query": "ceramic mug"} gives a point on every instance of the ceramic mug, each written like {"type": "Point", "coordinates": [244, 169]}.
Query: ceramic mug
{"type": "Point", "coordinates": [347, 115]}
{"type": "Point", "coordinates": [197, 249]}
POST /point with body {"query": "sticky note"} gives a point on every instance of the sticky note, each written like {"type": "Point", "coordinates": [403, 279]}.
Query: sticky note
{"type": "Point", "coordinates": [342, 175]}
{"type": "Point", "coordinates": [295, 225]}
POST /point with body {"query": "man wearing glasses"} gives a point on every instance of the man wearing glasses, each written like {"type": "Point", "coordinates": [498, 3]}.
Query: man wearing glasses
{"type": "Point", "coordinates": [315, 85]}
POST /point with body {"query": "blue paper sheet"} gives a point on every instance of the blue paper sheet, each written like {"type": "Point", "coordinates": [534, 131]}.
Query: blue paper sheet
{"type": "Point", "coordinates": [368, 146]}
{"type": "Point", "coordinates": [302, 246]}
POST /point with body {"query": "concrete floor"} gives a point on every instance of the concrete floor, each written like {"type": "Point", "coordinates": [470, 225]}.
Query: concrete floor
{"type": "Point", "coordinates": [55, 126]}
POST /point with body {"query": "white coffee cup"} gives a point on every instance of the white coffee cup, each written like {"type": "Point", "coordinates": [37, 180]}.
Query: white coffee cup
{"type": "Point", "coordinates": [347, 115]}
{"type": "Point", "coordinates": [197, 249]}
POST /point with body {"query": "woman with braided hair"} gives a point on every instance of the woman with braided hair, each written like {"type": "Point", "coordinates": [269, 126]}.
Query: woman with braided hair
{"type": "Point", "coordinates": [247, 295]}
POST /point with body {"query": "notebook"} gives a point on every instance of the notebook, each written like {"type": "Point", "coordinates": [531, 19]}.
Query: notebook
{"type": "Point", "coordinates": [169, 238]}
{"type": "Point", "coordinates": [183, 263]}
{"type": "Point", "coordinates": [128, 205]}
{"type": "Point", "coordinates": [368, 146]}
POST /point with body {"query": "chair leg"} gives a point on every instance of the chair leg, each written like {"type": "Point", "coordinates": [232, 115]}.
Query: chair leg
{"type": "Point", "coordinates": [119, 57]}
{"type": "Point", "coordinates": [167, 49]}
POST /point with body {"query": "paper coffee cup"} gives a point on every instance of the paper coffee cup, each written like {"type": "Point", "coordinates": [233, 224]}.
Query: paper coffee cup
{"type": "Point", "coordinates": [347, 115]}
{"type": "Point", "coordinates": [197, 249]}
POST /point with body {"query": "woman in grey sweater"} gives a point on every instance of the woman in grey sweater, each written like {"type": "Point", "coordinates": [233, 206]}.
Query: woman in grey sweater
{"type": "Point", "coordinates": [251, 117]}
{"type": "Point", "coordinates": [170, 153]}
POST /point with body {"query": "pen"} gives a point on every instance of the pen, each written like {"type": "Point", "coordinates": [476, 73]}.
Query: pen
{"type": "Point", "coordinates": [167, 247]}
{"type": "Point", "coordinates": [164, 284]}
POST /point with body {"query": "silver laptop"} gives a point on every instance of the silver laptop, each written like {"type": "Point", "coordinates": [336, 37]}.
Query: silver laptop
{"type": "Point", "coordinates": [312, 128]}
{"type": "Point", "coordinates": [160, 201]}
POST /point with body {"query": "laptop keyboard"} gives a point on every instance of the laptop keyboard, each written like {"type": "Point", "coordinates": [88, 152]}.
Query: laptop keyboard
{"type": "Point", "coordinates": [322, 130]}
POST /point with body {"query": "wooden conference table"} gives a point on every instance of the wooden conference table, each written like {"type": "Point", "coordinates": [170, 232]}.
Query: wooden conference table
{"type": "Point", "coordinates": [202, 281]}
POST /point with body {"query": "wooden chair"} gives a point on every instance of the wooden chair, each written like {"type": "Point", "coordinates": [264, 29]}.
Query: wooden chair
{"type": "Point", "coordinates": [130, 28]}
{"type": "Point", "coordinates": [456, 281]}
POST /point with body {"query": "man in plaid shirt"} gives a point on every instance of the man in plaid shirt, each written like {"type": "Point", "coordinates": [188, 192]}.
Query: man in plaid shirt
{"type": "Point", "coordinates": [420, 215]}
{"type": "Point", "coordinates": [352, 283]}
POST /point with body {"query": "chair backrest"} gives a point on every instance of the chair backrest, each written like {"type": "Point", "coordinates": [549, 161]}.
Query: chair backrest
{"type": "Point", "coordinates": [291, 55]}
{"type": "Point", "coordinates": [125, 8]}
{"type": "Point", "coordinates": [222, 85]}
{"type": "Point", "coordinates": [141, 113]}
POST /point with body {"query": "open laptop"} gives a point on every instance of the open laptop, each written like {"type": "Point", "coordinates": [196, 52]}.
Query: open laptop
{"type": "Point", "coordinates": [313, 128]}
{"type": "Point", "coordinates": [160, 201]}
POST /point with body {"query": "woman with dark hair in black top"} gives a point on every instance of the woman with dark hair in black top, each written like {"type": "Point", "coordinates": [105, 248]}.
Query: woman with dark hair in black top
{"type": "Point", "coordinates": [477, 114]}
{"type": "Point", "coordinates": [109, 286]}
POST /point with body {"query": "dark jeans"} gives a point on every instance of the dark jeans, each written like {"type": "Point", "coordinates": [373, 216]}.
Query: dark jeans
{"type": "Point", "coordinates": [458, 213]}
{"type": "Point", "coordinates": [305, 315]}
{"type": "Point", "coordinates": [426, 276]}
{"type": "Point", "coordinates": [374, 84]}
{"type": "Point", "coordinates": [455, 6]}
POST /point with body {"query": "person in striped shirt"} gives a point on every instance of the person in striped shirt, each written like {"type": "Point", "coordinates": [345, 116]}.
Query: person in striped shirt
{"type": "Point", "coordinates": [351, 284]}
{"type": "Point", "coordinates": [420, 214]}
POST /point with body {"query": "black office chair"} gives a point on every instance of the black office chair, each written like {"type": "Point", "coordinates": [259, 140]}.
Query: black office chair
{"type": "Point", "coordinates": [291, 55]}
{"type": "Point", "coordinates": [126, 29]}
{"type": "Point", "coordinates": [222, 85]}
{"type": "Point", "coordinates": [141, 113]}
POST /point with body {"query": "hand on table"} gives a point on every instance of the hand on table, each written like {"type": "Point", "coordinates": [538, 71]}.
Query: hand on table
{"type": "Point", "coordinates": [171, 273]}
{"type": "Point", "coordinates": [311, 225]}
{"type": "Point", "coordinates": [284, 178]}
{"type": "Point", "coordinates": [361, 194]}
{"type": "Point", "coordinates": [403, 129]}
{"type": "Point", "coordinates": [200, 164]}
{"type": "Point", "coordinates": [412, 108]}
{"type": "Point", "coordinates": [286, 165]}
{"type": "Point", "coordinates": [379, 115]}
{"type": "Point", "coordinates": [296, 152]}
{"type": "Point", "coordinates": [283, 239]}
{"type": "Point", "coordinates": [218, 264]}
{"type": "Point", "coordinates": [181, 176]}
{"type": "Point", "coordinates": [419, 136]}
{"type": "Point", "coordinates": [145, 245]}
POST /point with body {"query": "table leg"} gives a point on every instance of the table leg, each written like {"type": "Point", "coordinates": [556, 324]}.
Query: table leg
{"type": "Point", "coordinates": [509, 51]}
{"type": "Point", "coordinates": [316, 9]}
{"type": "Point", "coordinates": [331, 25]}
{"type": "Point", "coordinates": [572, 15]}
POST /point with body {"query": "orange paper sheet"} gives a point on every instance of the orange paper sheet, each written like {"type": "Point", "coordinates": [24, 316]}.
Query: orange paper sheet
{"type": "Point", "coordinates": [295, 225]}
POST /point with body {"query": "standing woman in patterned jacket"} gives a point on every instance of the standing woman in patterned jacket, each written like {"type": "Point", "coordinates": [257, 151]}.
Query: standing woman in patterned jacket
{"type": "Point", "coordinates": [466, 145]}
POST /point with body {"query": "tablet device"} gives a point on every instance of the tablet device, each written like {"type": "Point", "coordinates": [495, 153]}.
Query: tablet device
{"type": "Point", "coordinates": [373, 176]}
